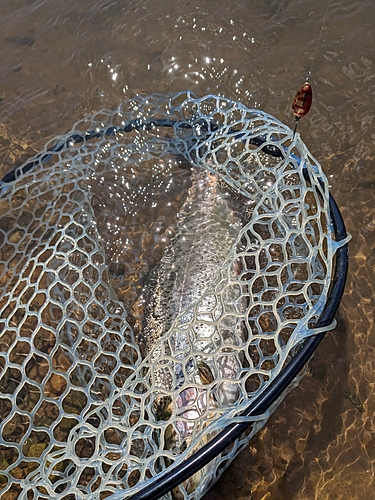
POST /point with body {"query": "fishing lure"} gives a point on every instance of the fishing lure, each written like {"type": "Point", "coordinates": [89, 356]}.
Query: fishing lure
{"type": "Point", "coordinates": [302, 103]}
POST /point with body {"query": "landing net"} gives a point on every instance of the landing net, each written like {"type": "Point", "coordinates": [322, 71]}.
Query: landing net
{"type": "Point", "coordinates": [90, 407]}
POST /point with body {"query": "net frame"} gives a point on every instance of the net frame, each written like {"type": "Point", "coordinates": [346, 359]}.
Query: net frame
{"type": "Point", "coordinates": [201, 129]}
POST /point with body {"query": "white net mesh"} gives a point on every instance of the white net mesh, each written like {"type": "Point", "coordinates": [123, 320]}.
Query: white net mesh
{"type": "Point", "coordinates": [145, 303]}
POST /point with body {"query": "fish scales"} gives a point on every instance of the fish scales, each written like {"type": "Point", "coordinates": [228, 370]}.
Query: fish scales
{"type": "Point", "coordinates": [177, 307]}
{"type": "Point", "coordinates": [207, 229]}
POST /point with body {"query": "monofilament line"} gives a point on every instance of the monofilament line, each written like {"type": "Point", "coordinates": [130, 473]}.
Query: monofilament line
{"type": "Point", "coordinates": [318, 43]}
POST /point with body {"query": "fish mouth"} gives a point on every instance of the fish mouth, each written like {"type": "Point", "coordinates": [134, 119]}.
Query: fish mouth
{"type": "Point", "coordinates": [201, 400]}
{"type": "Point", "coordinates": [192, 404]}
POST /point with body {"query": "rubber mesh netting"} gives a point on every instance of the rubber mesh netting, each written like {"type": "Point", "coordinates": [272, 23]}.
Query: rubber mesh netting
{"type": "Point", "coordinates": [93, 402]}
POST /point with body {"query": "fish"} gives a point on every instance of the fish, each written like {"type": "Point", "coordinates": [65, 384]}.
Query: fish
{"type": "Point", "coordinates": [175, 294]}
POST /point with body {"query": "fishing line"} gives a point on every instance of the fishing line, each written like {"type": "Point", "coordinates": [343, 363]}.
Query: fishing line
{"type": "Point", "coordinates": [318, 43]}
{"type": "Point", "coordinates": [303, 99]}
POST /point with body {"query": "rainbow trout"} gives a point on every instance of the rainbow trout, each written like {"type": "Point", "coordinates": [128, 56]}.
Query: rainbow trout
{"type": "Point", "coordinates": [207, 229]}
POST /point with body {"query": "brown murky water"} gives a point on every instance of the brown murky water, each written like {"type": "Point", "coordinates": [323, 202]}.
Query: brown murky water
{"type": "Point", "coordinates": [63, 60]}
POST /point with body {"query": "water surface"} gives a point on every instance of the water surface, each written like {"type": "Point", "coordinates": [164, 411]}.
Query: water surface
{"type": "Point", "coordinates": [63, 60]}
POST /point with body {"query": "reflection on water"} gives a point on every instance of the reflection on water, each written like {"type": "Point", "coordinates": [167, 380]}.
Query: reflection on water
{"type": "Point", "coordinates": [61, 61]}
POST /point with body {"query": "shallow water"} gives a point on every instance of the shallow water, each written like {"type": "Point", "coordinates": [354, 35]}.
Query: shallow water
{"type": "Point", "coordinates": [61, 61]}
